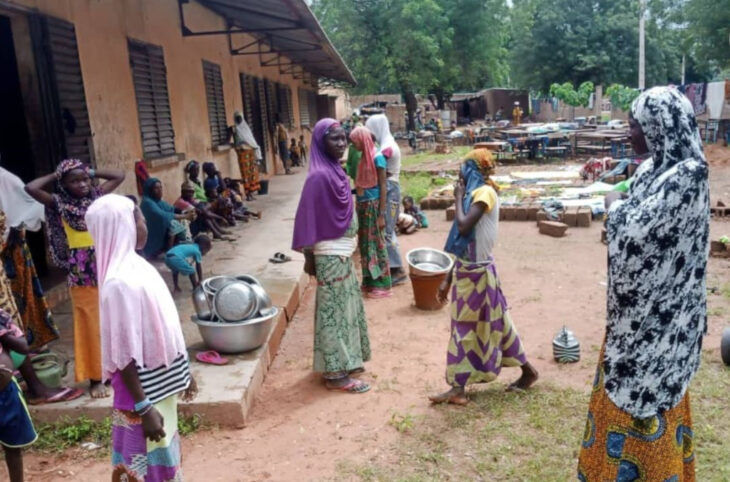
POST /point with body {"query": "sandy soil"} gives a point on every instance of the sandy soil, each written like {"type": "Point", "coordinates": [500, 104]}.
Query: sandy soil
{"type": "Point", "coordinates": [301, 431]}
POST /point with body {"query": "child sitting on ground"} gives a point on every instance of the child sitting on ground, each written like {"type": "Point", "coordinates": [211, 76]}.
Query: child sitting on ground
{"type": "Point", "coordinates": [294, 153]}
{"type": "Point", "coordinates": [412, 218]}
{"type": "Point", "coordinates": [181, 258]}
{"type": "Point", "coordinates": [16, 426]}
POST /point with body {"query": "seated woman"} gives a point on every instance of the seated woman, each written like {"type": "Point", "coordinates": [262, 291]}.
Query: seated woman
{"type": "Point", "coordinates": [233, 191]}
{"type": "Point", "coordinates": [164, 222]}
{"type": "Point", "coordinates": [206, 219]}
{"type": "Point", "coordinates": [192, 174]}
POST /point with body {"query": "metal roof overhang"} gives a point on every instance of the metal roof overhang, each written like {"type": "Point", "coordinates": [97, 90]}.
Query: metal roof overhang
{"type": "Point", "coordinates": [280, 27]}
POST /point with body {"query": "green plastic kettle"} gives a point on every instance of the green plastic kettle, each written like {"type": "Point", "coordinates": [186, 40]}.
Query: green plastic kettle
{"type": "Point", "coordinates": [50, 368]}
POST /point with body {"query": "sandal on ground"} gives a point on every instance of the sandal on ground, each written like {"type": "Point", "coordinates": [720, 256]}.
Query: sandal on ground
{"type": "Point", "coordinates": [211, 358]}
{"type": "Point", "coordinates": [355, 386]}
{"type": "Point", "coordinates": [379, 293]}
{"type": "Point", "coordinates": [279, 258]}
{"type": "Point", "coordinates": [65, 395]}
{"type": "Point", "coordinates": [357, 371]}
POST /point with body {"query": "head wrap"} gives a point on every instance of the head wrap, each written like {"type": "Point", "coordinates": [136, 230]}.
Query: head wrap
{"type": "Point", "coordinates": [242, 134]}
{"type": "Point", "coordinates": [66, 208]}
{"type": "Point", "coordinates": [657, 252]}
{"type": "Point", "coordinates": [138, 319]}
{"type": "Point", "coordinates": [380, 126]}
{"type": "Point", "coordinates": [367, 175]}
{"type": "Point", "coordinates": [20, 208]}
{"type": "Point", "coordinates": [475, 170]}
{"type": "Point", "coordinates": [326, 205]}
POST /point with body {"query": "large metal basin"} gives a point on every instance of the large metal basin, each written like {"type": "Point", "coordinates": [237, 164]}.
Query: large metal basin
{"type": "Point", "coordinates": [429, 262]}
{"type": "Point", "coordinates": [236, 337]}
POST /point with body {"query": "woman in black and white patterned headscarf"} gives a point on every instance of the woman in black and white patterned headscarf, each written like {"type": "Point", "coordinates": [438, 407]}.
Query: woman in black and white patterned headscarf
{"type": "Point", "coordinates": [639, 419]}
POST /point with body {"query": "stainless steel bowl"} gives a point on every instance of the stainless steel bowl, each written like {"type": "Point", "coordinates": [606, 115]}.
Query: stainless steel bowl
{"type": "Point", "coordinates": [236, 337]}
{"type": "Point", "coordinates": [429, 262]}
{"type": "Point", "coordinates": [202, 304]}
{"type": "Point", "coordinates": [212, 285]}
{"type": "Point", "coordinates": [236, 301]}
{"type": "Point", "coordinates": [258, 289]}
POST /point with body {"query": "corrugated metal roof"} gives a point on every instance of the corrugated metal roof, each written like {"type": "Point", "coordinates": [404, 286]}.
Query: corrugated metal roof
{"type": "Point", "coordinates": [289, 27]}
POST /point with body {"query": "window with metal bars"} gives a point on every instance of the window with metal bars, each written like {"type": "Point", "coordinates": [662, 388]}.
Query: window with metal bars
{"type": "Point", "coordinates": [153, 103]}
{"type": "Point", "coordinates": [285, 106]}
{"type": "Point", "coordinates": [216, 103]}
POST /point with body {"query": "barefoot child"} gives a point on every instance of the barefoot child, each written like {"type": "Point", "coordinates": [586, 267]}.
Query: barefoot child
{"type": "Point", "coordinates": [483, 337]}
{"type": "Point", "coordinates": [181, 258]}
{"type": "Point", "coordinates": [143, 350]}
{"type": "Point", "coordinates": [16, 427]}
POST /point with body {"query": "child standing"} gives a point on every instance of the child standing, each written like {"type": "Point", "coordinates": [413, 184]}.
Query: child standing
{"type": "Point", "coordinates": [187, 259]}
{"type": "Point", "coordinates": [303, 149]}
{"type": "Point", "coordinates": [294, 153]}
{"type": "Point", "coordinates": [143, 350]}
{"type": "Point", "coordinates": [73, 249]}
{"type": "Point", "coordinates": [16, 427]}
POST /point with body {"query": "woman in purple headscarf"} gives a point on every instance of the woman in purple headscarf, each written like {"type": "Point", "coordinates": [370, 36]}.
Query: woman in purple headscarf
{"type": "Point", "coordinates": [325, 230]}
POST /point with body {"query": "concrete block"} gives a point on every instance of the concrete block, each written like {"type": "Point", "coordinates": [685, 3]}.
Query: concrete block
{"type": "Point", "coordinates": [521, 212]}
{"type": "Point", "coordinates": [584, 217]}
{"type": "Point", "coordinates": [553, 228]}
{"type": "Point", "coordinates": [509, 213]}
{"type": "Point", "coordinates": [451, 213]}
{"type": "Point", "coordinates": [532, 210]}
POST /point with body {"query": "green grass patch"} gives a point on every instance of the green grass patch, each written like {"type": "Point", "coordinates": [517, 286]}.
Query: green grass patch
{"type": "Point", "coordinates": [419, 184]}
{"type": "Point", "coordinates": [66, 433]}
{"type": "Point", "coordinates": [533, 436]}
{"type": "Point", "coordinates": [415, 159]}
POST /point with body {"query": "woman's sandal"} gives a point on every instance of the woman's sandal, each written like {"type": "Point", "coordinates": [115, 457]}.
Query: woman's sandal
{"type": "Point", "coordinates": [279, 258]}
{"type": "Point", "coordinates": [211, 357]}
{"type": "Point", "coordinates": [355, 386]}
{"type": "Point", "coordinates": [65, 395]}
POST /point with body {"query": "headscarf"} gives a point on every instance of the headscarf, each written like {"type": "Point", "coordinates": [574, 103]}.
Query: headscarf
{"type": "Point", "coordinates": [380, 126]}
{"type": "Point", "coordinates": [197, 186]}
{"type": "Point", "coordinates": [138, 318]}
{"type": "Point", "coordinates": [68, 208]}
{"type": "Point", "coordinates": [326, 204]}
{"type": "Point", "coordinates": [242, 134]}
{"type": "Point", "coordinates": [478, 165]}
{"type": "Point", "coordinates": [159, 215]}
{"type": "Point", "coordinates": [19, 207]}
{"type": "Point", "coordinates": [657, 251]}
{"type": "Point", "coordinates": [367, 174]}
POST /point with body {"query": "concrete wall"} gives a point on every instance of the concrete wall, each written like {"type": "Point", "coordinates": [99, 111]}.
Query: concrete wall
{"type": "Point", "coordinates": [102, 30]}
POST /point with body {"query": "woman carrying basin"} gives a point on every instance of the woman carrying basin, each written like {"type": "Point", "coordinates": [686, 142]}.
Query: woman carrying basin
{"type": "Point", "coordinates": [483, 337]}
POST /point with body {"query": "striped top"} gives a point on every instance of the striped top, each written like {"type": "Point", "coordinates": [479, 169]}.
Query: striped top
{"type": "Point", "coordinates": [160, 383]}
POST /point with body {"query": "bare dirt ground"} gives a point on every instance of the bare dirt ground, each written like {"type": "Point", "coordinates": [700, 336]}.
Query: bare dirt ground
{"type": "Point", "coordinates": [300, 431]}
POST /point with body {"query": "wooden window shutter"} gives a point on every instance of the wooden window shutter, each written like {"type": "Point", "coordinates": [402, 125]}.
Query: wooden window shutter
{"type": "Point", "coordinates": [153, 103]}
{"type": "Point", "coordinates": [304, 120]}
{"type": "Point", "coordinates": [216, 103]}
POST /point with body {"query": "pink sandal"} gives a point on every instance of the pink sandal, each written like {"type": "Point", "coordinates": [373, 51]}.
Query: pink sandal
{"type": "Point", "coordinates": [211, 357]}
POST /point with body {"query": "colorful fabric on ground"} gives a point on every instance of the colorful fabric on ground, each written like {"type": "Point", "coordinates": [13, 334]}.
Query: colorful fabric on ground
{"type": "Point", "coordinates": [617, 446]}
{"type": "Point", "coordinates": [341, 341]}
{"type": "Point", "coordinates": [139, 320]}
{"type": "Point", "coordinates": [326, 206]}
{"type": "Point", "coordinates": [16, 426]}
{"type": "Point", "coordinates": [249, 170]}
{"type": "Point", "coordinates": [373, 253]}
{"type": "Point", "coordinates": [35, 314]}
{"type": "Point", "coordinates": [69, 209]}
{"type": "Point", "coordinates": [137, 459]}
{"type": "Point", "coordinates": [483, 337]}
{"type": "Point", "coordinates": [87, 338]}
{"type": "Point", "coordinates": [657, 260]}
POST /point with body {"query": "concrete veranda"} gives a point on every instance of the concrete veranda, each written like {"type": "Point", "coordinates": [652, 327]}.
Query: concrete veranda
{"type": "Point", "coordinates": [226, 392]}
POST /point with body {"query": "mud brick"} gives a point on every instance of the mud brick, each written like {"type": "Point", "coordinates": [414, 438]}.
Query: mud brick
{"type": "Point", "coordinates": [426, 203]}
{"type": "Point", "coordinates": [501, 213]}
{"type": "Point", "coordinates": [532, 210]}
{"type": "Point", "coordinates": [442, 203]}
{"type": "Point", "coordinates": [509, 213]}
{"type": "Point", "coordinates": [541, 216]}
{"type": "Point", "coordinates": [553, 228]}
{"type": "Point", "coordinates": [719, 249]}
{"type": "Point", "coordinates": [451, 213]}
{"type": "Point", "coordinates": [584, 217]}
{"type": "Point", "coordinates": [521, 212]}
{"type": "Point", "coordinates": [571, 217]}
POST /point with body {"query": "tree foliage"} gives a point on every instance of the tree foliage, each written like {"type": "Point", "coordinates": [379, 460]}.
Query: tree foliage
{"type": "Point", "coordinates": [621, 96]}
{"type": "Point", "coordinates": [709, 30]}
{"type": "Point", "coordinates": [571, 96]}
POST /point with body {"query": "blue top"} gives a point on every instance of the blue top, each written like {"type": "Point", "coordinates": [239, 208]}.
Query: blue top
{"type": "Point", "coordinates": [187, 251]}
{"type": "Point", "coordinates": [374, 192]}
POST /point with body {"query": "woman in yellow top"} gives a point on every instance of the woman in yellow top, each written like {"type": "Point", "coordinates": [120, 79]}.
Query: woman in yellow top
{"type": "Point", "coordinates": [72, 248]}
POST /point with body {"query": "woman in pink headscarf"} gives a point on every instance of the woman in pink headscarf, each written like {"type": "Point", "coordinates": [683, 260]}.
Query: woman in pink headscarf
{"type": "Point", "coordinates": [143, 350]}
{"type": "Point", "coordinates": [370, 183]}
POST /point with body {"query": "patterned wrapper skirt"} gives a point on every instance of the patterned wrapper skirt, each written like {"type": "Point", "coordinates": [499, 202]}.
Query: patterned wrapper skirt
{"type": "Point", "coordinates": [249, 169]}
{"type": "Point", "coordinates": [373, 250]}
{"type": "Point", "coordinates": [483, 338]}
{"type": "Point", "coordinates": [87, 335]}
{"type": "Point", "coordinates": [136, 458]}
{"type": "Point", "coordinates": [341, 341]}
{"type": "Point", "coordinates": [617, 446]}
{"type": "Point", "coordinates": [37, 321]}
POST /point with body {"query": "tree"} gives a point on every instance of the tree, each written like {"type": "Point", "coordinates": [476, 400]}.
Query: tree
{"type": "Point", "coordinates": [709, 29]}
{"type": "Point", "coordinates": [572, 97]}
{"type": "Point", "coordinates": [621, 96]}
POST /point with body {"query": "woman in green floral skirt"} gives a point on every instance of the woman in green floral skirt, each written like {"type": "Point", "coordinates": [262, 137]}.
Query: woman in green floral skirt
{"type": "Point", "coordinates": [325, 230]}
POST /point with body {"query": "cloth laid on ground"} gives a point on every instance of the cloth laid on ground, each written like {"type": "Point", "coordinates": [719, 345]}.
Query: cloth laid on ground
{"type": "Point", "coordinates": [19, 207]}
{"type": "Point", "coordinates": [658, 244]}
{"type": "Point", "coordinates": [567, 174]}
{"type": "Point", "coordinates": [618, 170]}
{"type": "Point", "coordinates": [553, 208]}
{"type": "Point", "coordinates": [715, 99]}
